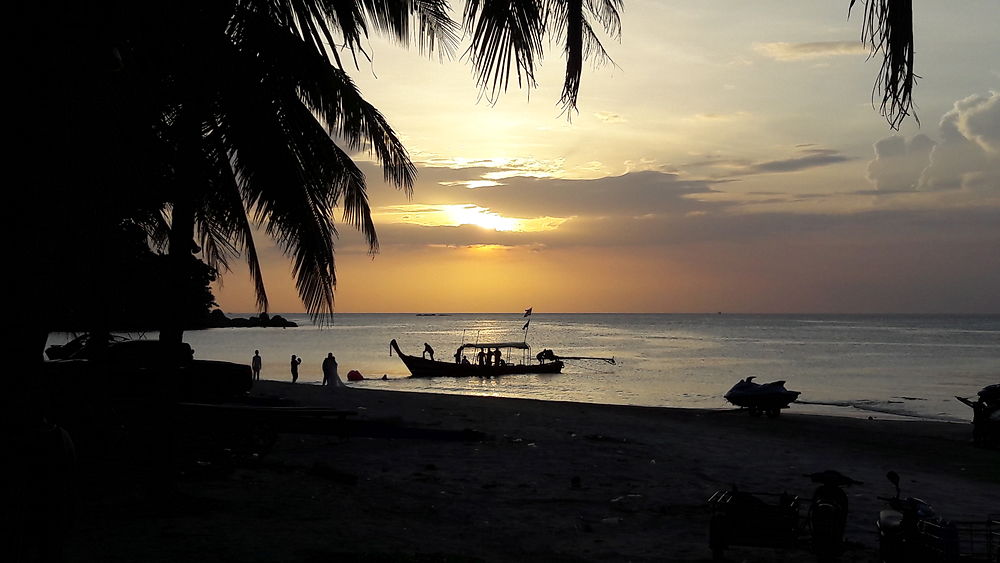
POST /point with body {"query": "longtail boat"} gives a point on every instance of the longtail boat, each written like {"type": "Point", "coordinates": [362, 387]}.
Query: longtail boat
{"type": "Point", "coordinates": [423, 367]}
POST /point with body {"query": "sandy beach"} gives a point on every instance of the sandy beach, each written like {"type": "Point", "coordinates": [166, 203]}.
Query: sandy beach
{"type": "Point", "coordinates": [527, 481]}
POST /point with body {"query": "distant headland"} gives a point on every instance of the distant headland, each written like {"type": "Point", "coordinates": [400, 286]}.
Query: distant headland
{"type": "Point", "coordinates": [218, 319]}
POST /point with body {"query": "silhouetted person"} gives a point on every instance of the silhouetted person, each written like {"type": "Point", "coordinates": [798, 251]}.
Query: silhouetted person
{"type": "Point", "coordinates": [497, 355]}
{"type": "Point", "coordinates": [295, 368]}
{"type": "Point", "coordinates": [545, 354]}
{"type": "Point", "coordinates": [465, 361]}
{"type": "Point", "coordinates": [428, 350]}
{"type": "Point", "coordinates": [330, 376]}
{"type": "Point", "coordinates": [481, 358]}
{"type": "Point", "coordinates": [255, 364]}
{"type": "Point", "coordinates": [458, 356]}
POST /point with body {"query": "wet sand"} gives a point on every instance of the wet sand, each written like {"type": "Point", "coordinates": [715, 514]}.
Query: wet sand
{"type": "Point", "coordinates": [544, 481]}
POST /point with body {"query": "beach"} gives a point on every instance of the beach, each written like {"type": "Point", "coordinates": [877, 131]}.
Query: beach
{"type": "Point", "coordinates": [444, 477]}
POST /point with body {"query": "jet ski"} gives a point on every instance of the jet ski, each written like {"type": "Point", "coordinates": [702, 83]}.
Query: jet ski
{"type": "Point", "coordinates": [766, 398]}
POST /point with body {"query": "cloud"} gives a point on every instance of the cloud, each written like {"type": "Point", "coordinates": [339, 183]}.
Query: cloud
{"type": "Point", "coordinates": [898, 163]}
{"type": "Point", "coordinates": [968, 155]}
{"type": "Point", "coordinates": [720, 116]}
{"type": "Point", "coordinates": [631, 194]}
{"type": "Point", "coordinates": [802, 51]}
{"type": "Point", "coordinates": [804, 158]}
{"type": "Point", "coordinates": [609, 117]}
{"type": "Point", "coordinates": [814, 158]}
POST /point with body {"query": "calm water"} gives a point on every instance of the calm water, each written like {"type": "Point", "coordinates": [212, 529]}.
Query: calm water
{"type": "Point", "coordinates": [879, 366]}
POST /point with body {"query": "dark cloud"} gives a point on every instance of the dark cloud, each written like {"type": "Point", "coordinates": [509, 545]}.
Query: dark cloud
{"type": "Point", "coordinates": [806, 157]}
{"type": "Point", "coordinates": [635, 193]}
{"type": "Point", "coordinates": [813, 159]}
{"type": "Point", "coordinates": [717, 223]}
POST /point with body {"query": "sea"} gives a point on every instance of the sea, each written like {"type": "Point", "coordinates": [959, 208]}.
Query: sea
{"type": "Point", "coordinates": [879, 366]}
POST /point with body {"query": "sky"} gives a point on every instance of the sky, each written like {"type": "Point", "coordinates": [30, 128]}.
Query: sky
{"type": "Point", "coordinates": [729, 160]}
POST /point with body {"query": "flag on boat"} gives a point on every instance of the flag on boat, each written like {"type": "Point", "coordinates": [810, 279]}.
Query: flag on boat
{"type": "Point", "coordinates": [525, 327]}
{"type": "Point", "coordinates": [527, 312]}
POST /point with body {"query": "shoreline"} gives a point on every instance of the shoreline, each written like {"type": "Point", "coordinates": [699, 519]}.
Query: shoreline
{"type": "Point", "coordinates": [837, 410]}
{"type": "Point", "coordinates": [552, 481]}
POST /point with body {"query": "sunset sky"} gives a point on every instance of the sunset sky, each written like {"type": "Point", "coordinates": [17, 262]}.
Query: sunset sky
{"type": "Point", "coordinates": [730, 160]}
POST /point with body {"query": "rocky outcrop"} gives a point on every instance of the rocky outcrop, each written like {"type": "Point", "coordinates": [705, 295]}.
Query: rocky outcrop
{"type": "Point", "coordinates": [218, 319]}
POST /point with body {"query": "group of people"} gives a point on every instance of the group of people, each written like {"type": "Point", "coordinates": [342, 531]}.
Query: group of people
{"type": "Point", "coordinates": [330, 376]}
{"type": "Point", "coordinates": [483, 358]}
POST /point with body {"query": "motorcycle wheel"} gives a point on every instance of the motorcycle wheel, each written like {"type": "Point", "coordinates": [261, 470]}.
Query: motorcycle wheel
{"type": "Point", "coordinates": [889, 550]}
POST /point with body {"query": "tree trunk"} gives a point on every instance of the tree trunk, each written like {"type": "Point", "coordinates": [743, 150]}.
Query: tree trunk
{"type": "Point", "coordinates": [181, 244]}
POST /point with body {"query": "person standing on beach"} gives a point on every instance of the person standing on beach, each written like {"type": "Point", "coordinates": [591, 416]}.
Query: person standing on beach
{"type": "Point", "coordinates": [295, 368]}
{"type": "Point", "coordinates": [330, 376]}
{"type": "Point", "coordinates": [255, 363]}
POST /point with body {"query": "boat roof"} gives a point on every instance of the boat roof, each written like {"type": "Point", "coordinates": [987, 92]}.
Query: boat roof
{"type": "Point", "coordinates": [518, 345]}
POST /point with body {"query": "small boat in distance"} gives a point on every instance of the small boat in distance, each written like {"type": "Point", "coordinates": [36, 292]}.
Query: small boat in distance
{"type": "Point", "coordinates": [423, 367]}
{"type": "Point", "coordinates": [761, 398]}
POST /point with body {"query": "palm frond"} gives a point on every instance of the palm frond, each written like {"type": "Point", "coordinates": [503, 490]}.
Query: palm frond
{"type": "Point", "coordinates": [506, 36]}
{"type": "Point", "coordinates": [223, 225]}
{"type": "Point", "coordinates": [333, 96]}
{"type": "Point", "coordinates": [888, 29]}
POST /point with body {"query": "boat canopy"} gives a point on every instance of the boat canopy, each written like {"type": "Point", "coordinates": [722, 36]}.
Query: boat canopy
{"type": "Point", "coordinates": [484, 345]}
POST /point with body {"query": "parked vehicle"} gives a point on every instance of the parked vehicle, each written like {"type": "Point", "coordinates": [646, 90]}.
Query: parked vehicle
{"type": "Point", "coordinates": [910, 531]}
{"type": "Point", "coordinates": [777, 519]}
{"type": "Point", "coordinates": [761, 398]}
{"type": "Point", "coordinates": [828, 512]}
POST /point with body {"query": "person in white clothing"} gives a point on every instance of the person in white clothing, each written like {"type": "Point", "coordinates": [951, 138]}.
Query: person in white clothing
{"type": "Point", "coordinates": [330, 376]}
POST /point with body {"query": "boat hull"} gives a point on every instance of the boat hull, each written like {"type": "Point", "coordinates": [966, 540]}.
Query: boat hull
{"type": "Point", "coordinates": [422, 367]}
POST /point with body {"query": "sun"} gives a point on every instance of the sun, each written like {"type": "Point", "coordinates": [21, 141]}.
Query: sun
{"type": "Point", "coordinates": [475, 215]}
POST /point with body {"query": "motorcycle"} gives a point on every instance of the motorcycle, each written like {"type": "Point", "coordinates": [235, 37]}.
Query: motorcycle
{"type": "Point", "coordinates": [828, 512]}
{"type": "Point", "coordinates": [910, 531]}
{"type": "Point", "coordinates": [775, 519]}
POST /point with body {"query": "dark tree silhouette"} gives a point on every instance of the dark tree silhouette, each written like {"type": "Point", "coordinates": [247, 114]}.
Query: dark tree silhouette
{"type": "Point", "coordinates": [229, 115]}
{"type": "Point", "coordinates": [251, 104]}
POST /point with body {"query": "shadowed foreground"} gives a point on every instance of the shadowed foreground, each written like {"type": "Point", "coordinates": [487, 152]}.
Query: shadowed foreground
{"type": "Point", "coordinates": [539, 481]}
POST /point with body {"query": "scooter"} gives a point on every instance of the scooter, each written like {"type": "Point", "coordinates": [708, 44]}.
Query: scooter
{"type": "Point", "coordinates": [910, 531]}
{"type": "Point", "coordinates": [774, 519]}
{"type": "Point", "coordinates": [828, 512]}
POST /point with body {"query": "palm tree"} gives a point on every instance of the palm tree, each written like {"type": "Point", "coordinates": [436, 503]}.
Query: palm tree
{"type": "Point", "coordinates": [252, 97]}
{"type": "Point", "coordinates": [226, 113]}
{"type": "Point", "coordinates": [250, 111]}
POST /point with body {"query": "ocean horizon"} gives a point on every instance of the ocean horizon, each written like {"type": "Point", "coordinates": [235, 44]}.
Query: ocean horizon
{"type": "Point", "coordinates": [854, 365]}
